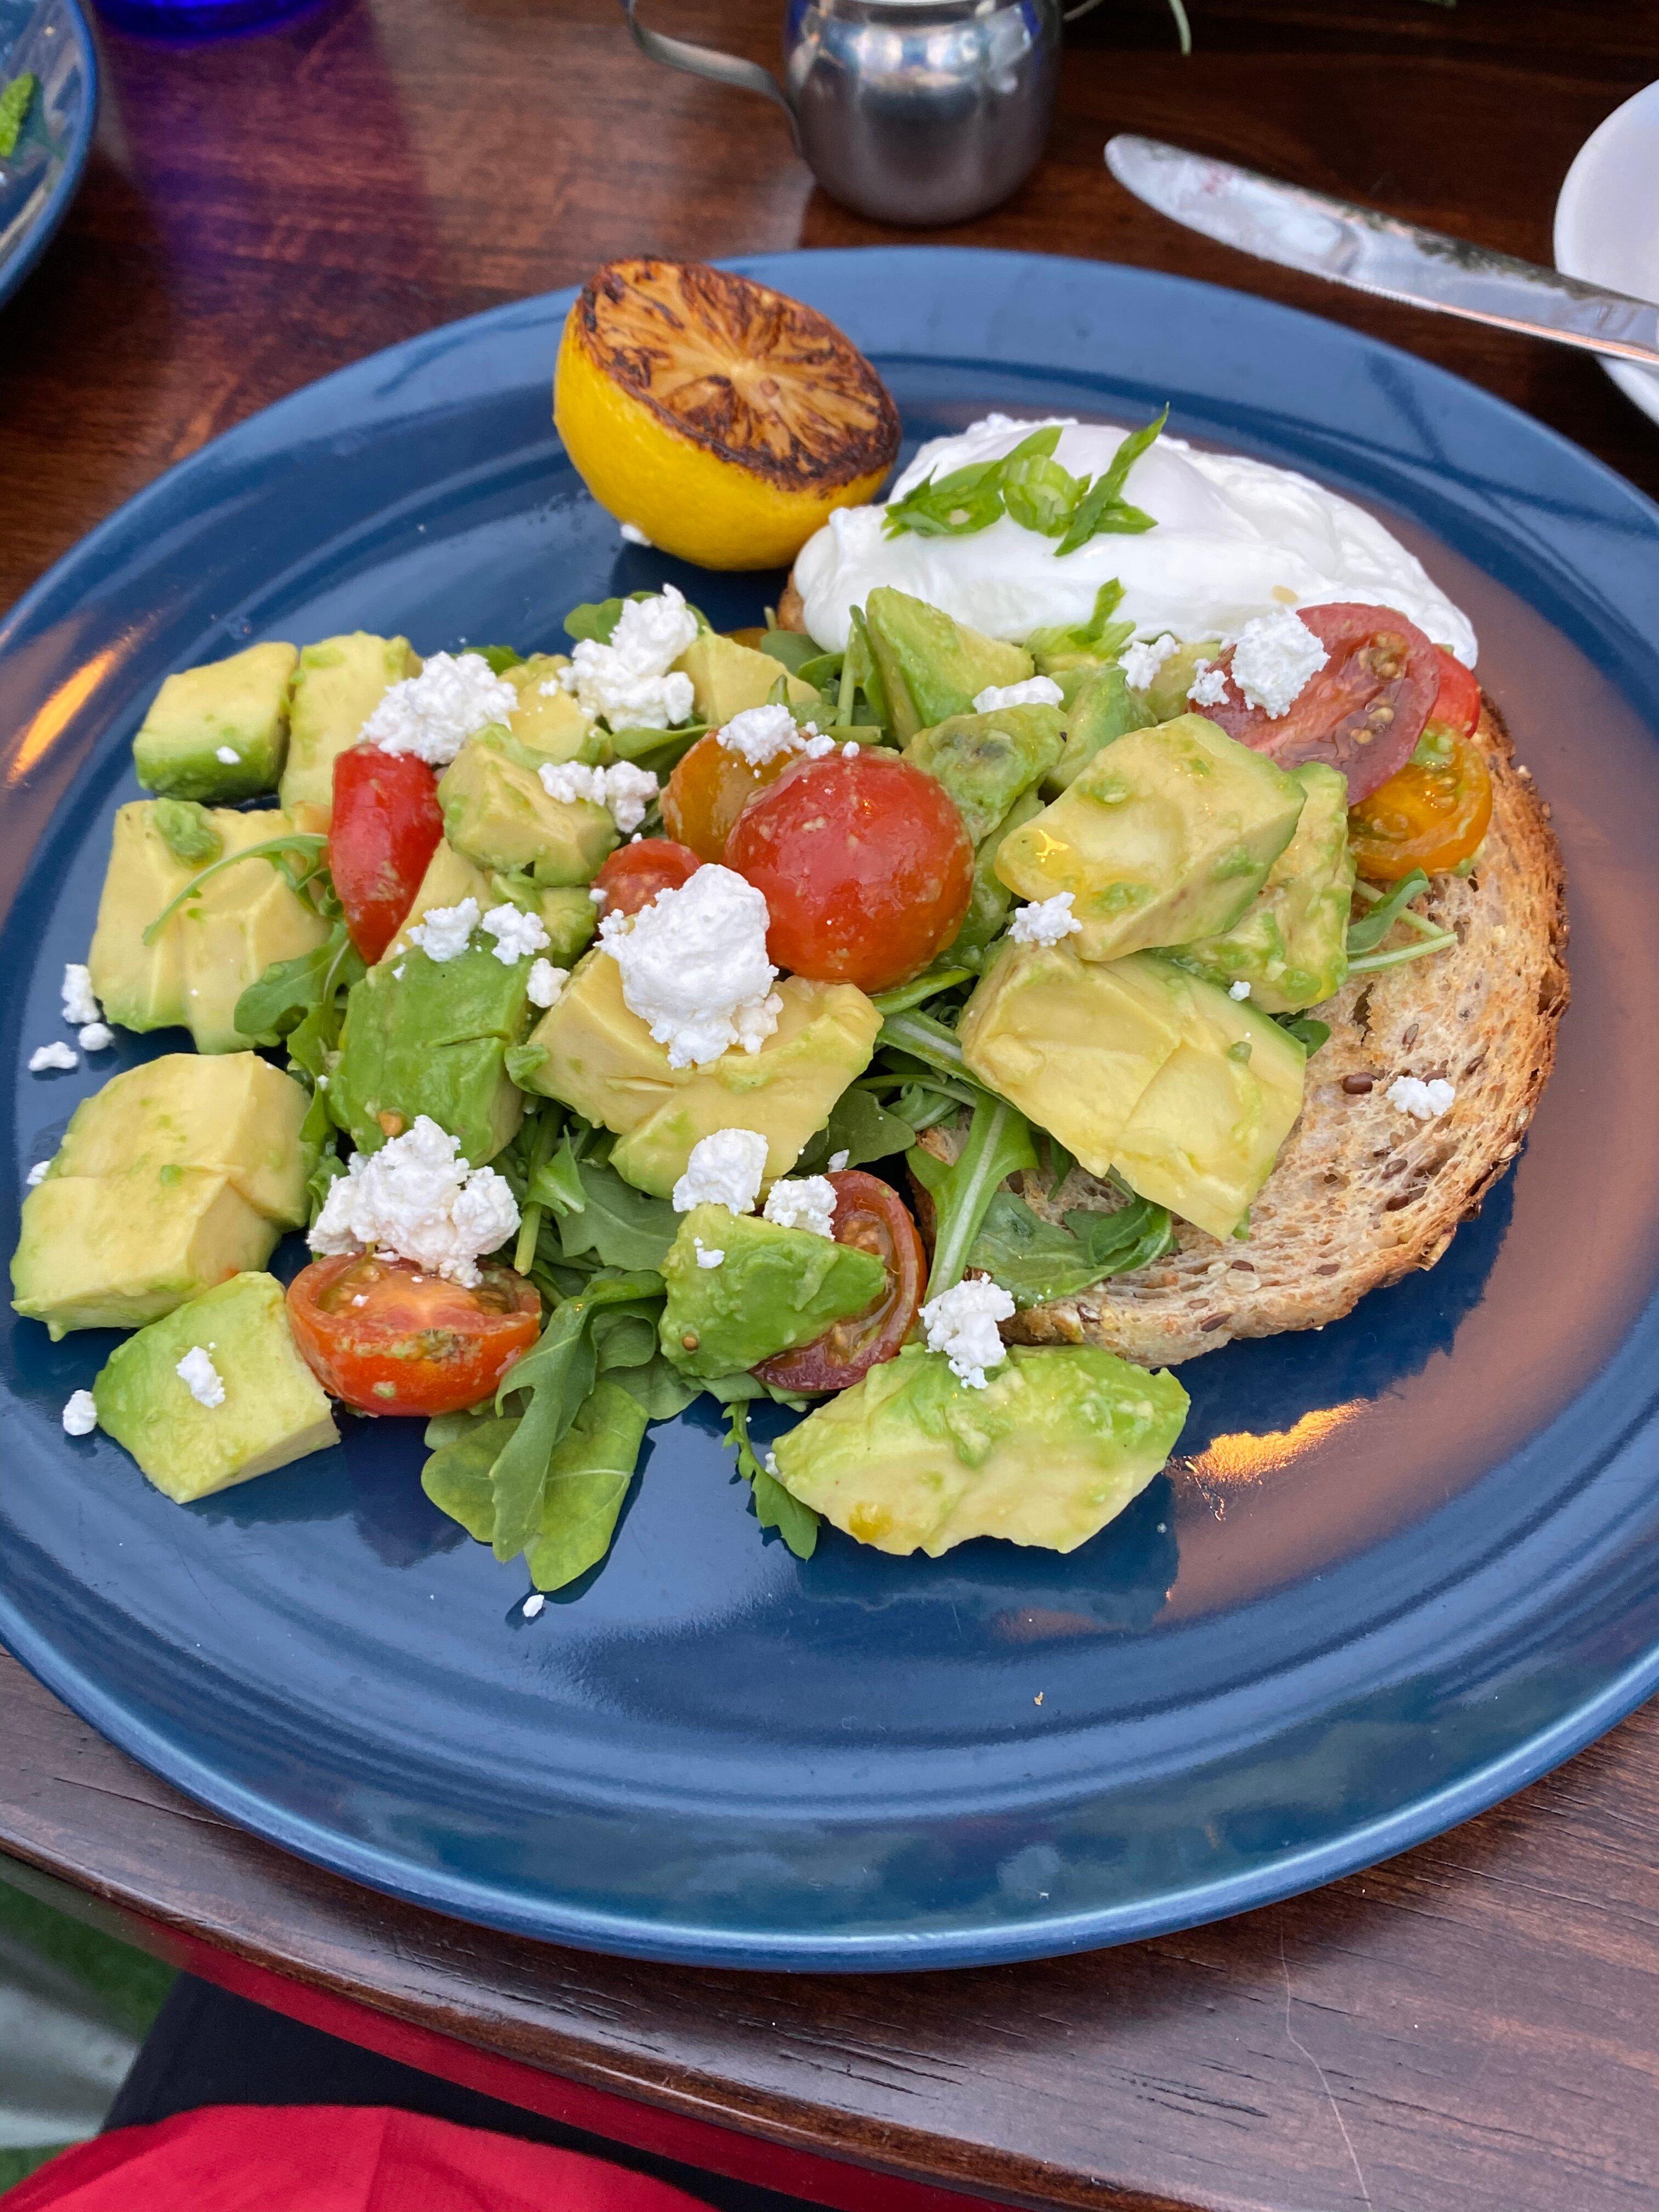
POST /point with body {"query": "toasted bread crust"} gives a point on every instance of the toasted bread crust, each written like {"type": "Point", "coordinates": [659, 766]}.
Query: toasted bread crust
{"type": "Point", "coordinates": [1362, 1194]}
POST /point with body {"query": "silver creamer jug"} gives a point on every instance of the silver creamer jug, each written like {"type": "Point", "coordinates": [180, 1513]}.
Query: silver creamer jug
{"type": "Point", "coordinates": [911, 111]}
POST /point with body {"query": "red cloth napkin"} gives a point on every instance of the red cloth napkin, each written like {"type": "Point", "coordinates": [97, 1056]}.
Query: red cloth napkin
{"type": "Point", "coordinates": [329, 2158]}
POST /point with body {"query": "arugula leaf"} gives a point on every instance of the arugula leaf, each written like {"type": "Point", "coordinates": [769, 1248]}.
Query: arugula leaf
{"type": "Point", "coordinates": [310, 845]}
{"type": "Point", "coordinates": [793, 648]}
{"type": "Point", "coordinates": [14, 107]}
{"type": "Point", "coordinates": [923, 1039]}
{"type": "Point", "coordinates": [187, 829]}
{"type": "Point", "coordinates": [598, 618]}
{"type": "Point", "coordinates": [1034, 1259]}
{"type": "Point", "coordinates": [289, 990]}
{"type": "Point", "coordinates": [998, 1142]}
{"type": "Point", "coordinates": [903, 996]}
{"type": "Point", "coordinates": [1369, 932]}
{"type": "Point", "coordinates": [774, 1506]}
{"type": "Point", "coordinates": [659, 1386]}
{"type": "Point", "coordinates": [587, 1479]}
{"type": "Point", "coordinates": [456, 1478]}
{"type": "Point", "coordinates": [1308, 1033]}
{"type": "Point", "coordinates": [860, 1126]}
{"type": "Point", "coordinates": [499, 658]}
{"type": "Point", "coordinates": [623, 1227]}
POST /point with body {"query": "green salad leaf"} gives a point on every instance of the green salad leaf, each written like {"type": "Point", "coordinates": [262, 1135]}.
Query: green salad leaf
{"type": "Point", "coordinates": [289, 990]}
{"type": "Point", "coordinates": [598, 618]}
{"type": "Point", "coordinates": [1034, 1259]}
{"type": "Point", "coordinates": [13, 108]}
{"type": "Point", "coordinates": [861, 1127]}
{"type": "Point", "coordinates": [586, 1480]}
{"type": "Point", "coordinates": [1369, 932]}
{"type": "Point", "coordinates": [1309, 1032]}
{"type": "Point", "coordinates": [774, 1506]}
{"type": "Point", "coordinates": [998, 1144]}
{"type": "Point", "coordinates": [499, 658]}
{"type": "Point", "coordinates": [794, 649]}
{"type": "Point", "coordinates": [621, 1226]}
{"type": "Point", "coordinates": [456, 1477]}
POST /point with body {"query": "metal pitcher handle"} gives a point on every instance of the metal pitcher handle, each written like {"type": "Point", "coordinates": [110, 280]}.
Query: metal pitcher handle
{"type": "Point", "coordinates": [705, 61]}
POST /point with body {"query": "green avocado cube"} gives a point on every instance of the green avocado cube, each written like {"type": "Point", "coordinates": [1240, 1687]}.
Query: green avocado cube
{"type": "Point", "coordinates": [430, 1036]}
{"type": "Point", "coordinates": [1166, 835]}
{"type": "Point", "coordinates": [337, 687]}
{"type": "Point", "coordinates": [728, 677]}
{"type": "Point", "coordinates": [274, 1410]}
{"type": "Point", "coordinates": [498, 815]}
{"type": "Point", "coordinates": [1101, 710]}
{"type": "Point", "coordinates": [1166, 695]}
{"type": "Point", "coordinates": [931, 666]}
{"type": "Point", "coordinates": [1061, 1438]}
{"type": "Point", "coordinates": [550, 724]}
{"type": "Point", "coordinates": [986, 761]}
{"type": "Point", "coordinates": [110, 1251]}
{"type": "Point", "coordinates": [772, 1289]}
{"type": "Point", "coordinates": [566, 914]}
{"type": "Point", "coordinates": [1291, 943]}
{"type": "Point", "coordinates": [220, 732]}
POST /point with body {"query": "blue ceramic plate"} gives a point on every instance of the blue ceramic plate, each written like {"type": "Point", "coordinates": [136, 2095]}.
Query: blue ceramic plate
{"type": "Point", "coordinates": [50, 40]}
{"type": "Point", "coordinates": [1410, 1566]}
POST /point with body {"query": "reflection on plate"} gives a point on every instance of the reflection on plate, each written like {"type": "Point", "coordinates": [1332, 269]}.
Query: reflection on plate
{"type": "Point", "coordinates": [1605, 226]}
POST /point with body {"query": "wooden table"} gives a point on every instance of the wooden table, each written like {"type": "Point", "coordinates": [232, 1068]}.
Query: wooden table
{"type": "Point", "coordinates": [1473, 2025]}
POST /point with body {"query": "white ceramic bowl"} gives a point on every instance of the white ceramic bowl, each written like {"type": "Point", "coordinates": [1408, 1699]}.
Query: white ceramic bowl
{"type": "Point", "coordinates": [1607, 221]}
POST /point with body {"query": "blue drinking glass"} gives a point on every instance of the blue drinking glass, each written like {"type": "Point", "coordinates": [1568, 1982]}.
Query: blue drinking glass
{"type": "Point", "coordinates": [188, 18]}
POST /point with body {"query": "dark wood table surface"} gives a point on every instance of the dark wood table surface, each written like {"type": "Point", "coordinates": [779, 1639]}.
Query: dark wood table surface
{"type": "Point", "coordinates": [1473, 2028]}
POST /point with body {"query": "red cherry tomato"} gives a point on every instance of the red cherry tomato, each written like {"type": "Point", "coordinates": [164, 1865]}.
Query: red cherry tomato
{"type": "Point", "coordinates": [871, 1215]}
{"type": "Point", "coordinates": [386, 1337]}
{"type": "Point", "coordinates": [634, 874]}
{"type": "Point", "coordinates": [1363, 712]}
{"type": "Point", "coordinates": [865, 865]}
{"type": "Point", "coordinates": [708, 790]}
{"type": "Point", "coordinates": [386, 828]}
{"type": "Point", "coordinates": [1457, 702]}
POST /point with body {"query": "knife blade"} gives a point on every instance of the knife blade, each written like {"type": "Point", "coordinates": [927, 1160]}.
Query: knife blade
{"type": "Point", "coordinates": [1375, 253]}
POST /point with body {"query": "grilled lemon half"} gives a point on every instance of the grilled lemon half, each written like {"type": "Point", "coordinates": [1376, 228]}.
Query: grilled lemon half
{"type": "Point", "coordinates": [723, 419]}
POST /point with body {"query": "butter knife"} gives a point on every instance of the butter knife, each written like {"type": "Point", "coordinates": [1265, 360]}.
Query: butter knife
{"type": "Point", "coordinates": [1375, 253]}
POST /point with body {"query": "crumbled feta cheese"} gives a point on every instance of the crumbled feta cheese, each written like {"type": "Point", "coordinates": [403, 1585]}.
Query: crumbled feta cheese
{"type": "Point", "coordinates": [1239, 990]}
{"type": "Point", "coordinates": [95, 1037]}
{"type": "Point", "coordinates": [1141, 661]}
{"type": "Point", "coordinates": [1423, 1102]}
{"type": "Point", "coordinates": [80, 1005]}
{"type": "Point", "coordinates": [1272, 659]}
{"type": "Point", "coordinates": [1209, 685]}
{"type": "Point", "coordinates": [625, 790]}
{"type": "Point", "coordinates": [517, 935]}
{"type": "Point", "coordinates": [1046, 921]}
{"type": "Point", "coordinates": [53, 1056]}
{"type": "Point", "coordinates": [1033, 691]}
{"type": "Point", "coordinates": [710, 1256]}
{"type": "Point", "coordinates": [228, 755]}
{"type": "Point", "coordinates": [694, 966]}
{"type": "Point", "coordinates": [962, 1323]}
{"type": "Point", "coordinates": [533, 1605]}
{"type": "Point", "coordinates": [433, 714]}
{"type": "Point", "coordinates": [546, 981]}
{"type": "Point", "coordinates": [80, 1414]}
{"type": "Point", "coordinates": [628, 681]}
{"type": "Point", "coordinates": [416, 1198]}
{"type": "Point", "coordinates": [838, 1161]}
{"type": "Point", "coordinates": [724, 1168]}
{"type": "Point", "coordinates": [819, 745]}
{"type": "Point", "coordinates": [802, 1202]}
{"type": "Point", "coordinates": [633, 535]}
{"type": "Point", "coordinates": [759, 734]}
{"type": "Point", "coordinates": [196, 1372]}
{"type": "Point", "coordinates": [850, 750]}
{"type": "Point", "coordinates": [444, 932]}
{"type": "Point", "coordinates": [38, 1173]}
{"type": "Point", "coordinates": [398, 973]}
{"type": "Point", "coordinates": [771, 1462]}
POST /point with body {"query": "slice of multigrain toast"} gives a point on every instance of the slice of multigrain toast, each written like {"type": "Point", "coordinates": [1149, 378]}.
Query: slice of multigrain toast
{"type": "Point", "coordinates": [1362, 1194]}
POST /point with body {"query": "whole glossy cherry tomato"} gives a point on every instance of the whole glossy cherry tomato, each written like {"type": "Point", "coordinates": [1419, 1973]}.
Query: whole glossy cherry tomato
{"type": "Point", "coordinates": [387, 1337]}
{"type": "Point", "coordinates": [386, 828]}
{"type": "Point", "coordinates": [634, 874]}
{"type": "Point", "coordinates": [1457, 702]}
{"type": "Point", "coordinates": [871, 1215]}
{"type": "Point", "coordinates": [1432, 815]}
{"type": "Point", "coordinates": [707, 791]}
{"type": "Point", "coordinates": [1363, 712]}
{"type": "Point", "coordinates": [865, 865]}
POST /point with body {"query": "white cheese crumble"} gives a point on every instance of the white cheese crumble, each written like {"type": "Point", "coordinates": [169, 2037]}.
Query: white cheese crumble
{"type": "Point", "coordinates": [53, 1056]}
{"type": "Point", "coordinates": [196, 1372]}
{"type": "Point", "coordinates": [1033, 691]}
{"type": "Point", "coordinates": [433, 714]}
{"type": "Point", "coordinates": [724, 1168]}
{"type": "Point", "coordinates": [95, 1037]}
{"type": "Point", "coordinates": [851, 750]}
{"type": "Point", "coordinates": [694, 966]}
{"type": "Point", "coordinates": [838, 1161]}
{"type": "Point", "coordinates": [79, 1006]}
{"type": "Point", "coordinates": [710, 1256]}
{"type": "Point", "coordinates": [1272, 659]}
{"type": "Point", "coordinates": [1141, 661]}
{"type": "Point", "coordinates": [1046, 921]}
{"type": "Point", "coordinates": [962, 1323]}
{"type": "Point", "coordinates": [38, 1174]}
{"type": "Point", "coordinates": [759, 734]}
{"type": "Point", "coordinates": [1423, 1102]}
{"type": "Point", "coordinates": [416, 1198]}
{"type": "Point", "coordinates": [1209, 685]}
{"type": "Point", "coordinates": [802, 1202]}
{"type": "Point", "coordinates": [819, 745]}
{"type": "Point", "coordinates": [80, 1414]}
{"type": "Point", "coordinates": [444, 932]}
{"type": "Point", "coordinates": [625, 791]}
{"type": "Point", "coordinates": [628, 680]}
{"type": "Point", "coordinates": [1239, 990]}
{"type": "Point", "coordinates": [517, 935]}
{"type": "Point", "coordinates": [533, 1605]}
{"type": "Point", "coordinates": [633, 535]}
{"type": "Point", "coordinates": [546, 982]}
{"type": "Point", "coordinates": [228, 755]}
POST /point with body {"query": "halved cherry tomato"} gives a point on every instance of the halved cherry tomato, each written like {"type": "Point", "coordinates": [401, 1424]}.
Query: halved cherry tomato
{"type": "Point", "coordinates": [634, 874]}
{"type": "Point", "coordinates": [871, 1215]}
{"type": "Point", "coordinates": [386, 828]}
{"type": "Point", "coordinates": [387, 1337]}
{"type": "Point", "coordinates": [865, 865]}
{"type": "Point", "coordinates": [708, 790]}
{"type": "Point", "coordinates": [1363, 712]}
{"type": "Point", "coordinates": [1457, 702]}
{"type": "Point", "coordinates": [1432, 815]}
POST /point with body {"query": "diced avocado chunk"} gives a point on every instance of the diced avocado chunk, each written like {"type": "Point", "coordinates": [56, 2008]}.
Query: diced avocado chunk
{"type": "Point", "coordinates": [1291, 943]}
{"type": "Point", "coordinates": [274, 1411]}
{"type": "Point", "coordinates": [1165, 836]}
{"type": "Point", "coordinates": [550, 724]}
{"type": "Point", "coordinates": [337, 687]}
{"type": "Point", "coordinates": [602, 1060]}
{"type": "Point", "coordinates": [1061, 1438]}
{"type": "Point", "coordinates": [219, 732]}
{"type": "Point", "coordinates": [727, 677]}
{"type": "Point", "coordinates": [1101, 710]}
{"type": "Point", "coordinates": [219, 941]}
{"type": "Point", "coordinates": [1205, 1135]}
{"type": "Point", "coordinates": [990, 898]}
{"type": "Point", "coordinates": [1166, 695]}
{"type": "Point", "coordinates": [930, 666]}
{"type": "Point", "coordinates": [567, 914]}
{"type": "Point", "coordinates": [774, 1288]}
{"type": "Point", "coordinates": [234, 1115]}
{"type": "Point", "coordinates": [498, 815]}
{"type": "Point", "coordinates": [987, 760]}
{"type": "Point", "coordinates": [430, 1036]}
{"type": "Point", "coordinates": [110, 1251]}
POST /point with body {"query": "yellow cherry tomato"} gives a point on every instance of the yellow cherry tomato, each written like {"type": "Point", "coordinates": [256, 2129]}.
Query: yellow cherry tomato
{"type": "Point", "coordinates": [1432, 814]}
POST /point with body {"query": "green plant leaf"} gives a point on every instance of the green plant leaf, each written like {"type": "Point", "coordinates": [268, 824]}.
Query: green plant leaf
{"type": "Point", "coordinates": [860, 1126]}
{"type": "Point", "coordinates": [1034, 1259]}
{"type": "Point", "coordinates": [659, 1386]}
{"type": "Point", "coordinates": [774, 1506]}
{"type": "Point", "coordinates": [1369, 932]}
{"type": "Point", "coordinates": [498, 657]}
{"type": "Point", "coordinates": [587, 1479]}
{"type": "Point", "coordinates": [998, 1142]}
{"type": "Point", "coordinates": [903, 996]}
{"type": "Point", "coordinates": [1041, 494]}
{"type": "Point", "coordinates": [1103, 507]}
{"type": "Point", "coordinates": [621, 1227]}
{"type": "Point", "coordinates": [456, 1478]}
{"type": "Point", "coordinates": [1308, 1033]}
